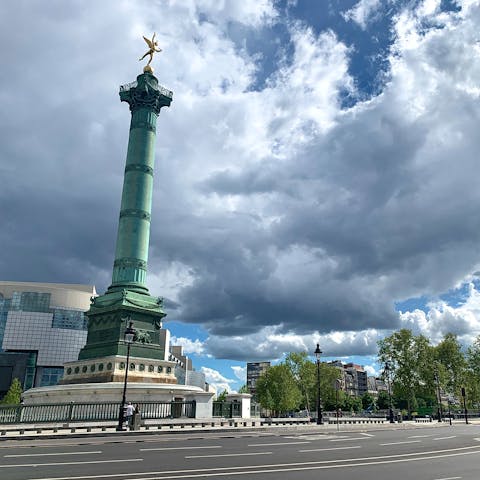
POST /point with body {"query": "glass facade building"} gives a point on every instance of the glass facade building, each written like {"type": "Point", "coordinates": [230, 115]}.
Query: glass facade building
{"type": "Point", "coordinates": [254, 371]}
{"type": "Point", "coordinates": [46, 324]}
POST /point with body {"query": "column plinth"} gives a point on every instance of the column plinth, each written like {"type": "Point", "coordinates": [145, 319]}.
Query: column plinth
{"type": "Point", "coordinates": [128, 296]}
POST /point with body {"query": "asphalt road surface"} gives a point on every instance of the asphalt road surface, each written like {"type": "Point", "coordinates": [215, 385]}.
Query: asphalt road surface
{"type": "Point", "coordinates": [441, 453]}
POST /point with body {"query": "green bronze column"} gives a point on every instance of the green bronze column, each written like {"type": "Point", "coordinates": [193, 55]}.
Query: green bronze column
{"type": "Point", "coordinates": [145, 98]}
{"type": "Point", "coordinates": [127, 298]}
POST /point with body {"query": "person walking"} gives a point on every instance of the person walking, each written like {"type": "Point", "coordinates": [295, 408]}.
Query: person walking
{"type": "Point", "coordinates": [129, 414]}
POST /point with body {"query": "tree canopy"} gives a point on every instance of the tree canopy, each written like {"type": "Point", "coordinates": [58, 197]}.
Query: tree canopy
{"type": "Point", "coordinates": [14, 393]}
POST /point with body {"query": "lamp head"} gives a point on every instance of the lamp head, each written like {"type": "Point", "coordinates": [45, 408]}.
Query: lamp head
{"type": "Point", "coordinates": [129, 334]}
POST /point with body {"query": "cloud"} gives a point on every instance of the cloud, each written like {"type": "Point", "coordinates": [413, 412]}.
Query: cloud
{"type": "Point", "coordinates": [189, 346]}
{"type": "Point", "coordinates": [240, 373]}
{"type": "Point", "coordinates": [217, 380]}
{"type": "Point", "coordinates": [372, 370]}
{"type": "Point", "coordinates": [270, 343]}
{"type": "Point", "coordinates": [254, 13]}
{"type": "Point", "coordinates": [362, 12]}
{"type": "Point", "coordinates": [280, 217]}
{"type": "Point", "coordinates": [441, 318]}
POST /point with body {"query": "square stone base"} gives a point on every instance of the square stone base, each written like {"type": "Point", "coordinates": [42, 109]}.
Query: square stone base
{"type": "Point", "coordinates": [112, 369]}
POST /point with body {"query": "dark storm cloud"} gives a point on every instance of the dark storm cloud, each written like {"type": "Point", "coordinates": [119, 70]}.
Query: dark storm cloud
{"type": "Point", "coordinates": [283, 211]}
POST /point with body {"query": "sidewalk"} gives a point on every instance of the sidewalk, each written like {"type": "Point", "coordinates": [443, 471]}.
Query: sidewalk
{"type": "Point", "coordinates": [91, 429]}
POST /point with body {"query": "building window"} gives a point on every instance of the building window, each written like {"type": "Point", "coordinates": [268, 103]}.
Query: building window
{"type": "Point", "coordinates": [51, 376]}
{"type": "Point", "coordinates": [69, 319]}
{"type": "Point", "coordinates": [31, 301]}
{"type": "Point", "coordinates": [30, 371]}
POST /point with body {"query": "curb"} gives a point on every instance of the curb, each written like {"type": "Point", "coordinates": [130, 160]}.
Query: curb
{"type": "Point", "coordinates": [313, 429]}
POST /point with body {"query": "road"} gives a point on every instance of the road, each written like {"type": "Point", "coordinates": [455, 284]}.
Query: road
{"type": "Point", "coordinates": [427, 453]}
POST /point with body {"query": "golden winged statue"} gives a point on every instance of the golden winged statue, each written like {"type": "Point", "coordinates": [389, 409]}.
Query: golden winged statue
{"type": "Point", "coordinates": [153, 48]}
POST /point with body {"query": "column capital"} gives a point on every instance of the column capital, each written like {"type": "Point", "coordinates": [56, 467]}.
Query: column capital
{"type": "Point", "coordinates": [145, 92]}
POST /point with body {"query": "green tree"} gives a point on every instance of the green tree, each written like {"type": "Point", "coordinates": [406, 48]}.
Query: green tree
{"type": "Point", "coordinates": [450, 356]}
{"type": "Point", "coordinates": [277, 390]}
{"type": "Point", "coordinates": [383, 400]}
{"type": "Point", "coordinates": [222, 397]}
{"type": "Point", "coordinates": [368, 402]}
{"type": "Point", "coordinates": [14, 393]}
{"type": "Point", "coordinates": [243, 389]}
{"type": "Point", "coordinates": [410, 358]}
{"type": "Point", "coordinates": [352, 404]}
{"type": "Point", "coordinates": [472, 377]}
{"type": "Point", "coordinates": [302, 372]}
{"type": "Point", "coordinates": [328, 377]}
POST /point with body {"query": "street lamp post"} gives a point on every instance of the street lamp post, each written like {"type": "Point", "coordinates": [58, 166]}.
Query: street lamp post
{"type": "Point", "coordinates": [387, 370]}
{"type": "Point", "coordinates": [337, 387]}
{"type": "Point", "coordinates": [449, 410]}
{"type": "Point", "coordinates": [128, 338]}
{"type": "Point", "coordinates": [439, 398]}
{"type": "Point", "coordinates": [318, 352]}
{"type": "Point", "coordinates": [465, 405]}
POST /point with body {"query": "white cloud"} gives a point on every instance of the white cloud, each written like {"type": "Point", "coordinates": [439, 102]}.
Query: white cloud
{"type": "Point", "coordinates": [271, 344]}
{"type": "Point", "coordinates": [372, 370]}
{"type": "Point", "coordinates": [249, 12]}
{"type": "Point", "coordinates": [189, 346]}
{"type": "Point", "coordinates": [362, 12]}
{"type": "Point", "coordinates": [441, 318]}
{"type": "Point", "coordinates": [280, 218]}
{"type": "Point", "coordinates": [240, 373]}
{"type": "Point", "coordinates": [217, 380]}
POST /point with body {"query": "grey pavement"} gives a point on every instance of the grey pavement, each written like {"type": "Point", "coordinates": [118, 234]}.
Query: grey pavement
{"type": "Point", "coordinates": [95, 429]}
{"type": "Point", "coordinates": [431, 451]}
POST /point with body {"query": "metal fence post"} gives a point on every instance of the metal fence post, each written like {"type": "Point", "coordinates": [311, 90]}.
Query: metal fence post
{"type": "Point", "coordinates": [18, 414]}
{"type": "Point", "coordinates": [70, 412]}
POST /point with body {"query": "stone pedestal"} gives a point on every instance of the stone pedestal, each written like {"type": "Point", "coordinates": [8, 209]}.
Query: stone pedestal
{"type": "Point", "coordinates": [112, 392]}
{"type": "Point", "coordinates": [112, 369]}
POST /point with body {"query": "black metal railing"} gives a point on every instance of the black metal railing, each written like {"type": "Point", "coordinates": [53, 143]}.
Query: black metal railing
{"type": "Point", "coordinates": [91, 412]}
{"type": "Point", "coordinates": [227, 409]}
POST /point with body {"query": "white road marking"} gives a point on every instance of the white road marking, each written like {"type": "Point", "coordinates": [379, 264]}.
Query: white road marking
{"type": "Point", "coordinates": [448, 478]}
{"type": "Point", "coordinates": [445, 438]}
{"type": "Point", "coordinates": [234, 470]}
{"type": "Point", "coordinates": [316, 437]}
{"type": "Point", "coordinates": [177, 448]}
{"type": "Point", "coordinates": [349, 439]}
{"type": "Point", "coordinates": [327, 449]}
{"type": "Point", "coordinates": [210, 473]}
{"type": "Point", "coordinates": [72, 463]}
{"type": "Point", "coordinates": [50, 454]}
{"type": "Point", "coordinates": [367, 434]}
{"type": "Point", "coordinates": [399, 443]}
{"type": "Point", "coordinates": [275, 444]}
{"type": "Point", "coordinates": [229, 455]}
{"type": "Point", "coordinates": [420, 436]}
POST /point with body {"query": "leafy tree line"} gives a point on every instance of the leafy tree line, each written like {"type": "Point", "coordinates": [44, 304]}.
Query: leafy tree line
{"type": "Point", "coordinates": [418, 369]}
{"type": "Point", "coordinates": [292, 385]}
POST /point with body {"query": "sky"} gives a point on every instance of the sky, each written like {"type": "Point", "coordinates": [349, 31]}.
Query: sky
{"type": "Point", "coordinates": [315, 178]}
